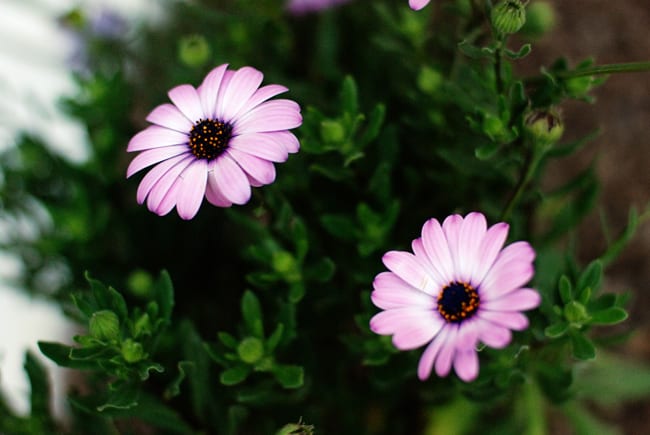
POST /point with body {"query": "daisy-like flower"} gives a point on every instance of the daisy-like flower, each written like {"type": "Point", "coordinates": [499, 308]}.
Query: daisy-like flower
{"type": "Point", "coordinates": [299, 7]}
{"type": "Point", "coordinates": [416, 5]}
{"type": "Point", "coordinates": [216, 141]}
{"type": "Point", "coordinates": [458, 287]}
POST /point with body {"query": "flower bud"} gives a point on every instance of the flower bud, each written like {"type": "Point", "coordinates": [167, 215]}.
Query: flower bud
{"type": "Point", "coordinates": [540, 18]}
{"type": "Point", "coordinates": [575, 312]}
{"type": "Point", "coordinates": [104, 325]}
{"type": "Point", "coordinates": [332, 131]}
{"type": "Point", "coordinates": [132, 351]}
{"type": "Point", "coordinates": [543, 127]}
{"type": "Point", "coordinates": [193, 50]}
{"type": "Point", "coordinates": [508, 16]}
{"type": "Point", "coordinates": [250, 350]}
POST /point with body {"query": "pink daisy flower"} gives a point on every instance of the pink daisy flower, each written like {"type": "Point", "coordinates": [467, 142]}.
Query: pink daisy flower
{"type": "Point", "coordinates": [216, 141]}
{"type": "Point", "coordinates": [416, 5]}
{"type": "Point", "coordinates": [458, 287]}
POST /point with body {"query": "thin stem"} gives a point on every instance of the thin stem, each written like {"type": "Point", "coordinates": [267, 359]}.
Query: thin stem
{"type": "Point", "coordinates": [614, 68]}
{"type": "Point", "coordinates": [532, 160]}
{"type": "Point", "coordinates": [498, 55]}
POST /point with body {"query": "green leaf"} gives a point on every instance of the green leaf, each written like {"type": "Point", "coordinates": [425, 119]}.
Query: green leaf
{"type": "Point", "coordinates": [566, 294]}
{"type": "Point", "coordinates": [289, 376]}
{"type": "Point", "coordinates": [472, 51]}
{"type": "Point", "coordinates": [583, 348]}
{"type": "Point", "coordinates": [349, 96]}
{"type": "Point", "coordinates": [617, 246]}
{"type": "Point", "coordinates": [40, 387]}
{"type": "Point", "coordinates": [523, 52]}
{"type": "Point", "coordinates": [227, 339]}
{"type": "Point", "coordinates": [174, 387]}
{"type": "Point", "coordinates": [591, 276]}
{"type": "Point", "coordinates": [123, 396]}
{"type": "Point", "coordinates": [155, 413]}
{"type": "Point", "coordinates": [375, 122]}
{"type": "Point", "coordinates": [487, 151]}
{"type": "Point", "coordinates": [609, 316]}
{"type": "Point", "coordinates": [556, 330]}
{"type": "Point", "coordinates": [322, 271]}
{"type": "Point", "coordinates": [118, 304]}
{"type": "Point", "coordinates": [274, 338]}
{"type": "Point", "coordinates": [296, 292]}
{"type": "Point", "coordinates": [339, 225]}
{"type": "Point", "coordinates": [235, 375]}
{"type": "Point", "coordinates": [60, 354]}
{"type": "Point", "coordinates": [165, 296]}
{"type": "Point", "coordinates": [252, 313]}
{"type": "Point", "coordinates": [300, 239]}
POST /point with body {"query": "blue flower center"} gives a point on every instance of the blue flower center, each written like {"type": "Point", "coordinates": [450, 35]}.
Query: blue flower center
{"type": "Point", "coordinates": [458, 301]}
{"type": "Point", "coordinates": [209, 138]}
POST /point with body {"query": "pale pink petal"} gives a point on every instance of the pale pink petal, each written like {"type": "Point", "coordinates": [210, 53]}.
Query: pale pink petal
{"type": "Point", "coordinates": [390, 321]}
{"type": "Point", "coordinates": [512, 269]}
{"type": "Point", "coordinates": [409, 268]}
{"type": "Point", "coordinates": [489, 249]}
{"type": "Point", "coordinates": [516, 321]}
{"type": "Point", "coordinates": [421, 329]}
{"type": "Point", "coordinates": [468, 334]}
{"type": "Point", "coordinates": [192, 189]}
{"type": "Point", "coordinates": [390, 291]}
{"type": "Point", "coordinates": [260, 145]}
{"type": "Point", "coordinates": [518, 300]}
{"type": "Point", "coordinates": [164, 184]}
{"type": "Point", "coordinates": [149, 157]}
{"type": "Point", "coordinates": [225, 81]}
{"type": "Point", "coordinates": [156, 173]}
{"type": "Point", "coordinates": [431, 353]}
{"type": "Point", "coordinates": [493, 335]}
{"type": "Point", "coordinates": [420, 254]}
{"type": "Point", "coordinates": [274, 115]}
{"type": "Point", "coordinates": [451, 227]}
{"type": "Point", "coordinates": [261, 95]}
{"type": "Point", "coordinates": [472, 231]}
{"type": "Point", "coordinates": [286, 139]}
{"type": "Point", "coordinates": [167, 115]}
{"type": "Point", "coordinates": [241, 87]}
{"type": "Point", "coordinates": [260, 170]}
{"type": "Point", "coordinates": [209, 90]}
{"type": "Point", "coordinates": [188, 102]}
{"type": "Point", "coordinates": [169, 200]}
{"type": "Point", "coordinates": [212, 193]}
{"type": "Point", "coordinates": [466, 364]}
{"type": "Point", "coordinates": [418, 4]}
{"type": "Point", "coordinates": [435, 245]}
{"type": "Point", "coordinates": [446, 354]}
{"type": "Point", "coordinates": [155, 136]}
{"type": "Point", "coordinates": [231, 180]}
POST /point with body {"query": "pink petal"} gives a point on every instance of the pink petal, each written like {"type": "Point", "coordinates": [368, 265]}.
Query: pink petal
{"type": "Point", "coordinates": [261, 95]}
{"type": "Point", "coordinates": [213, 194]}
{"type": "Point", "coordinates": [169, 200]}
{"type": "Point", "coordinates": [446, 354]}
{"type": "Point", "coordinates": [418, 4]}
{"type": "Point", "coordinates": [188, 102]}
{"type": "Point", "coordinates": [260, 145]}
{"type": "Point", "coordinates": [156, 173]}
{"type": "Point", "coordinates": [489, 249]}
{"type": "Point", "coordinates": [164, 184]}
{"type": "Point", "coordinates": [390, 321]}
{"type": "Point", "coordinates": [518, 300]}
{"type": "Point", "coordinates": [420, 253]}
{"type": "Point", "coordinates": [421, 330]}
{"type": "Point", "coordinates": [409, 268]}
{"type": "Point", "coordinates": [472, 231]}
{"type": "Point", "coordinates": [192, 189]}
{"type": "Point", "coordinates": [167, 115]}
{"type": "Point", "coordinates": [154, 137]}
{"type": "Point", "coordinates": [209, 90]}
{"type": "Point", "coordinates": [286, 139]}
{"type": "Point", "coordinates": [431, 353]}
{"type": "Point", "coordinates": [466, 364]}
{"type": "Point", "coordinates": [436, 247]}
{"type": "Point", "coordinates": [242, 86]}
{"type": "Point", "coordinates": [515, 321]}
{"type": "Point", "coordinates": [274, 115]}
{"type": "Point", "coordinates": [451, 227]}
{"type": "Point", "coordinates": [494, 335]}
{"type": "Point", "coordinates": [512, 269]}
{"type": "Point", "coordinates": [231, 180]}
{"type": "Point", "coordinates": [260, 170]}
{"type": "Point", "coordinates": [390, 291]}
{"type": "Point", "coordinates": [149, 157]}
{"type": "Point", "coordinates": [468, 335]}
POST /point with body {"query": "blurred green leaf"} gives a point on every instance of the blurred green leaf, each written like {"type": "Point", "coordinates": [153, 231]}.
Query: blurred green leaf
{"type": "Point", "coordinates": [609, 316]}
{"type": "Point", "coordinates": [289, 376]}
{"type": "Point", "coordinates": [235, 375]}
{"type": "Point", "coordinates": [252, 313]}
{"type": "Point", "coordinates": [583, 348]}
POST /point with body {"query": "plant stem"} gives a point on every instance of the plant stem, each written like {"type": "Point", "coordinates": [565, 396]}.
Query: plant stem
{"type": "Point", "coordinates": [498, 55]}
{"type": "Point", "coordinates": [614, 68]}
{"type": "Point", "coordinates": [532, 160]}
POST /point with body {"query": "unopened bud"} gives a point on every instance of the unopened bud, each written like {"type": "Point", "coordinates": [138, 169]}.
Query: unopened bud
{"type": "Point", "coordinates": [575, 312]}
{"type": "Point", "coordinates": [104, 325]}
{"type": "Point", "coordinates": [193, 50]}
{"type": "Point", "coordinates": [250, 350]}
{"type": "Point", "coordinates": [132, 351]}
{"type": "Point", "coordinates": [543, 127]}
{"type": "Point", "coordinates": [540, 18]}
{"type": "Point", "coordinates": [508, 16]}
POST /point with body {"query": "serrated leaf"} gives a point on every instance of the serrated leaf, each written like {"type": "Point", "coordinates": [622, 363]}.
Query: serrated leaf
{"type": "Point", "coordinates": [289, 376]}
{"type": "Point", "coordinates": [566, 293]}
{"type": "Point", "coordinates": [88, 353]}
{"type": "Point", "coordinates": [556, 330]}
{"type": "Point", "coordinates": [583, 348]}
{"type": "Point", "coordinates": [609, 316]}
{"type": "Point", "coordinates": [235, 375]}
{"type": "Point", "coordinates": [121, 397]}
{"type": "Point", "coordinates": [252, 313]}
{"type": "Point", "coordinates": [60, 354]}
{"type": "Point", "coordinates": [174, 387]}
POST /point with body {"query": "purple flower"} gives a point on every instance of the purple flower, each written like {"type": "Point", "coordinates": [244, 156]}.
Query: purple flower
{"type": "Point", "coordinates": [458, 288]}
{"type": "Point", "coordinates": [416, 5]}
{"type": "Point", "coordinates": [299, 7]}
{"type": "Point", "coordinates": [214, 141]}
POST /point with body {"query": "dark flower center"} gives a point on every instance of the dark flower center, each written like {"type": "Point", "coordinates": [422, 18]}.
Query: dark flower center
{"type": "Point", "coordinates": [209, 138]}
{"type": "Point", "coordinates": [458, 301]}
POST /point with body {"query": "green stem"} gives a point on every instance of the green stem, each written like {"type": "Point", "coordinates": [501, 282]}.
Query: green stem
{"type": "Point", "coordinates": [530, 166]}
{"type": "Point", "coordinates": [614, 68]}
{"type": "Point", "coordinates": [498, 56]}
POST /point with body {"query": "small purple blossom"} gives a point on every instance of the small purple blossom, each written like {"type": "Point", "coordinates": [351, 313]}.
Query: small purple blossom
{"type": "Point", "coordinates": [416, 5]}
{"type": "Point", "coordinates": [458, 287]}
{"type": "Point", "coordinates": [216, 141]}
{"type": "Point", "coordinates": [299, 7]}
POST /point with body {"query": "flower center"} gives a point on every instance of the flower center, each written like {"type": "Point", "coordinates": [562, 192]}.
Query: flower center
{"type": "Point", "coordinates": [458, 301]}
{"type": "Point", "coordinates": [209, 138]}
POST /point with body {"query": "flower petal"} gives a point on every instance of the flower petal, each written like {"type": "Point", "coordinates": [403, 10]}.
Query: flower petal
{"type": "Point", "coordinates": [156, 173]}
{"type": "Point", "coordinates": [489, 249]}
{"type": "Point", "coordinates": [408, 267]}
{"type": "Point", "coordinates": [188, 102]}
{"type": "Point", "coordinates": [149, 157]}
{"type": "Point", "coordinates": [446, 354]}
{"type": "Point", "coordinates": [472, 231]}
{"type": "Point", "coordinates": [431, 353]}
{"type": "Point", "coordinates": [192, 190]}
{"type": "Point", "coordinates": [493, 335]}
{"type": "Point", "coordinates": [260, 170]}
{"type": "Point", "coordinates": [209, 90]}
{"type": "Point", "coordinates": [261, 95]}
{"type": "Point", "coordinates": [420, 330]}
{"type": "Point", "coordinates": [169, 200]}
{"type": "Point", "coordinates": [416, 5]}
{"type": "Point", "coordinates": [213, 194]}
{"type": "Point", "coordinates": [390, 321]}
{"type": "Point", "coordinates": [243, 84]}
{"type": "Point", "coordinates": [518, 300]}
{"type": "Point", "coordinates": [451, 227]}
{"type": "Point", "coordinates": [154, 137]}
{"type": "Point", "coordinates": [231, 180]}
{"type": "Point", "coordinates": [168, 116]}
{"type": "Point", "coordinates": [165, 184]}
{"type": "Point", "coordinates": [436, 247]}
{"type": "Point", "coordinates": [260, 145]}
{"type": "Point", "coordinates": [466, 364]}
{"type": "Point", "coordinates": [515, 321]}
{"type": "Point", "coordinates": [512, 269]}
{"type": "Point", "coordinates": [420, 253]}
{"type": "Point", "coordinates": [390, 291]}
{"type": "Point", "coordinates": [274, 115]}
